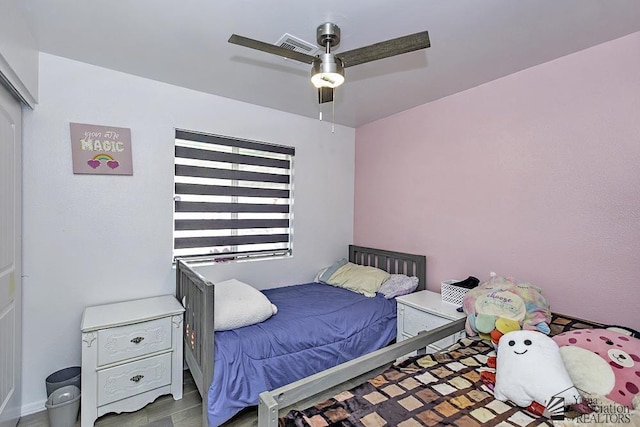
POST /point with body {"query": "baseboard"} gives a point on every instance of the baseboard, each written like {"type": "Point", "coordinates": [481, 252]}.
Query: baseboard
{"type": "Point", "coordinates": [32, 408]}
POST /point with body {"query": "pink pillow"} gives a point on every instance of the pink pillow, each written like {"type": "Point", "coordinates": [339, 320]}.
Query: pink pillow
{"type": "Point", "coordinates": [603, 362]}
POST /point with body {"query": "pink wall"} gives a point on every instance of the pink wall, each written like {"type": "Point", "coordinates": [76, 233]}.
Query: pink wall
{"type": "Point", "coordinates": [535, 176]}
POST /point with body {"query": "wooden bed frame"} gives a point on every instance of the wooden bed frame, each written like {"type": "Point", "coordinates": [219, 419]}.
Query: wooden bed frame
{"type": "Point", "coordinates": [272, 401]}
{"type": "Point", "coordinates": [197, 295]}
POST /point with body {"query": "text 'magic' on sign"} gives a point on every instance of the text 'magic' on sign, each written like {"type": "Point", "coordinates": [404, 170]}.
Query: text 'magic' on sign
{"type": "Point", "coordinates": [104, 150]}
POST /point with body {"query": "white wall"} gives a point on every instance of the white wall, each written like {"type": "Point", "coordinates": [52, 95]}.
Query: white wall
{"type": "Point", "coordinates": [95, 239]}
{"type": "Point", "coordinates": [18, 52]}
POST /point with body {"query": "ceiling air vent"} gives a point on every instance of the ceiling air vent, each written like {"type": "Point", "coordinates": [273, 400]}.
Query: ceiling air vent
{"type": "Point", "coordinates": [297, 45]}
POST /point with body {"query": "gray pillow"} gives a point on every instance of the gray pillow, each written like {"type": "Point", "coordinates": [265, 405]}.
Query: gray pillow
{"type": "Point", "coordinates": [328, 272]}
{"type": "Point", "coordinates": [398, 284]}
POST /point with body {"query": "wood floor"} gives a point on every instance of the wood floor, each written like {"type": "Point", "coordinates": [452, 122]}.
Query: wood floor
{"type": "Point", "coordinates": [187, 412]}
{"type": "Point", "coordinates": [164, 412]}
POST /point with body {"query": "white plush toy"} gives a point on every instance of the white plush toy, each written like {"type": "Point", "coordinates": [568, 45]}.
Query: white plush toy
{"type": "Point", "coordinates": [530, 369]}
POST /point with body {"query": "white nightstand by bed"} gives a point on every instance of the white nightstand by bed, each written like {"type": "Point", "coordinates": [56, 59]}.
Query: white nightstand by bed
{"type": "Point", "coordinates": [131, 354]}
{"type": "Point", "coordinates": [424, 311]}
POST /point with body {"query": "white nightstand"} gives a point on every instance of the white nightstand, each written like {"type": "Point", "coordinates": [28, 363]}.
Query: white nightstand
{"type": "Point", "coordinates": [131, 354]}
{"type": "Point", "coordinates": [424, 311]}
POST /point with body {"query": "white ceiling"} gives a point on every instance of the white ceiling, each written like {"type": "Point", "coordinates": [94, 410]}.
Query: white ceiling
{"type": "Point", "coordinates": [184, 42]}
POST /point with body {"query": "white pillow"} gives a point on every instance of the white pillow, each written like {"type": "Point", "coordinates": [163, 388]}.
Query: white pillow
{"type": "Point", "coordinates": [237, 304]}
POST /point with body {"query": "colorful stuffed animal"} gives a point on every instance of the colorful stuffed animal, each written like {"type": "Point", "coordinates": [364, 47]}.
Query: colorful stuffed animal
{"type": "Point", "coordinates": [602, 362]}
{"type": "Point", "coordinates": [501, 305]}
{"type": "Point", "coordinates": [530, 369]}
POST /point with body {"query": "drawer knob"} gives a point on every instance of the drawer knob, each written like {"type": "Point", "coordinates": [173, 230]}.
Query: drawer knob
{"type": "Point", "coordinates": [137, 340]}
{"type": "Point", "coordinates": [136, 378]}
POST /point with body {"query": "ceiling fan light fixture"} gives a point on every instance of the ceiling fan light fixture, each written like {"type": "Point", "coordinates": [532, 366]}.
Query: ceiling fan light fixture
{"type": "Point", "coordinates": [327, 71]}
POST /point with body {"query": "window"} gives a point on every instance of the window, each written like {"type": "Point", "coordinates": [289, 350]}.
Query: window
{"type": "Point", "coordinates": [233, 197]}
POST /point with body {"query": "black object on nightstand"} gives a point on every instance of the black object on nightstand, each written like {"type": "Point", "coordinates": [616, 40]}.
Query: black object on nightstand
{"type": "Point", "coordinates": [468, 283]}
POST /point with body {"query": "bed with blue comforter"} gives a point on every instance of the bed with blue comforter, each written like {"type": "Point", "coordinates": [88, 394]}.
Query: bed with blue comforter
{"type": "Point", "coordinates": [317, 326]}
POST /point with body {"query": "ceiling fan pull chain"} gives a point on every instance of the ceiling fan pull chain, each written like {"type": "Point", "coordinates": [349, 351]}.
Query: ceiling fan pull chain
{"type": "Point", "coordinates": [333, 113]}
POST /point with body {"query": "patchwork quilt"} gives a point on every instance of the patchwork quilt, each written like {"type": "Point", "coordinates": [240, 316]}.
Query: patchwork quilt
{"type": "Point", "coordinates": [430, 390]}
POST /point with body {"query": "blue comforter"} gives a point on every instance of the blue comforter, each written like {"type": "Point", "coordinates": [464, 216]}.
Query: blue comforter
{"type": "Point", "coordinates": [317, 326]}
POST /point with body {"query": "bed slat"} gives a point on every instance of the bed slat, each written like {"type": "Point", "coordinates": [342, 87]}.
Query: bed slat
{"type": "Point", "coordinates": [392, 262]}
{"type": "Point", "coordinates": [196, 293]}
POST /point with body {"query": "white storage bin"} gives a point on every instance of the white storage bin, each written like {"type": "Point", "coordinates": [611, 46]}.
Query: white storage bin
{"type": "Point", "coordinates": [452, 294]}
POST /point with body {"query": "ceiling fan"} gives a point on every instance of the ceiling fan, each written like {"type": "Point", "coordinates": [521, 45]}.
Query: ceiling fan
{"type": "Point", "coordinates": [327, 71]}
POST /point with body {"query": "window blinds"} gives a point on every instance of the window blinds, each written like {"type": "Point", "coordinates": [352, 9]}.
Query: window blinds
{"type": "Point", "coordinates": [233, 197]}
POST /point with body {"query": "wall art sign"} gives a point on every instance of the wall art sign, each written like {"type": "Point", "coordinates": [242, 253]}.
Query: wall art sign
{"type": "Point", "coordinates": [104, 150]}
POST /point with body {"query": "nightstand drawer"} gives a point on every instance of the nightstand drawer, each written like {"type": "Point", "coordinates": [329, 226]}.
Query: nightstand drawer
{"type": "Point", "coordinates": [416, 321]}
{"type": "Point", "coordinates": [133, 378]}
{"type": "Point", "coordinates": [138, 339]}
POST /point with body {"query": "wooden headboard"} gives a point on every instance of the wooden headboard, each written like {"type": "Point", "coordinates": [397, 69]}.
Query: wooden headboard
{"type": "Point", "coordinates": [392, 262]}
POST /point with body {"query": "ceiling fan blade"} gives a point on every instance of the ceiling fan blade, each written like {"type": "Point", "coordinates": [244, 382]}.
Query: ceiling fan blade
{"type": "Point", "coordinates": [270, 48]}
{"type": "Point", "coordinates": [325, 94]}
{"type": "Point", "coordinates": [385, 49]}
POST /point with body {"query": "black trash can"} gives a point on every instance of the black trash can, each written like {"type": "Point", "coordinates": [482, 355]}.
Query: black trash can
{"type": "Point", "coordinates": [63, 377]}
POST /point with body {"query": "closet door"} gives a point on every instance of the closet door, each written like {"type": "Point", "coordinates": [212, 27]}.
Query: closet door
{"type": "Point", "coordinates": [10, 258]}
